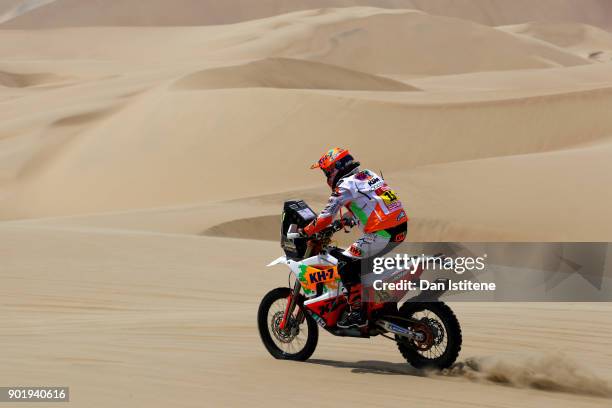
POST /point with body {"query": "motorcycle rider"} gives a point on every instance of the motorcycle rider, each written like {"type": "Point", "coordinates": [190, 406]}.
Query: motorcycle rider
{"type": "Point", "coordinates": [377, 211]}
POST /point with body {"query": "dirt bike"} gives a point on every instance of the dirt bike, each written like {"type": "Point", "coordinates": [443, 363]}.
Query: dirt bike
{"type": "Point", "coordinates": [426, 331]}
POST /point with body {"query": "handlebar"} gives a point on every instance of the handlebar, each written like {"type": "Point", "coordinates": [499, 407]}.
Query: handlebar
{"type": "Point", "coordinates": [327, 231]}
{"type": "Point", "coordinates": [341, 224]}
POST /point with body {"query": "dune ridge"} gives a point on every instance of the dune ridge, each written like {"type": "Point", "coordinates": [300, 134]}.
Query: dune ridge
{"type": "Point", "coordinates": [505, 127]}
{"type": "Point", "coordinates": [582, 39]}
{"type": "Point", "coordinates": [536, 81]}
{"type": "Point", "coordinates": [62, 13]}
{"type": "Point", "coordinates": [289, 74]}
{"type": "Point", "coordinates": [357, 38]}
{"type": "Point", "coordinates": [16, 8]}
{"type": "Point", "coordinates": [434, 45]}
{"type": "Point", "coordinates": [22, 80]}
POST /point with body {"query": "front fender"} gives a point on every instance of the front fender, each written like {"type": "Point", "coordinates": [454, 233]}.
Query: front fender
{"type": "Point", "coordinates": [281, 260]}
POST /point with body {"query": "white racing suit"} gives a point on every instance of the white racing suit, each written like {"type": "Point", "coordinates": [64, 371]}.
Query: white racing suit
{"type": "Point", "coordinates": [378, 212]}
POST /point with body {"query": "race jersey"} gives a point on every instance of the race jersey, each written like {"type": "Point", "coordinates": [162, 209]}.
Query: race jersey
{"type": "Point", "coordinates": [370, 200]}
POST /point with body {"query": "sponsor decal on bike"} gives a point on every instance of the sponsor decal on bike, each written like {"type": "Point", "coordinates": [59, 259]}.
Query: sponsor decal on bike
{"type": "Point", "coordinates": [355, 250]}
{"type": "Point", "coordinates": [398, 329]}
{"type": "Point", "coordinates": [399, 237]}
{"type": "Point", "coordinates": [310, 276]}
{"type": "Point", "coordinates": [317, 318]}
{"type": "Point", "coordinates": [319, 276]}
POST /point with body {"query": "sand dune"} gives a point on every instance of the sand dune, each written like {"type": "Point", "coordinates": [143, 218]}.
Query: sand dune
{"type": "Point", "coordinates": [19, 80]}
{"type": "Point", "coordinates": [265, 227]}
{"type": "Point", "coordinates": [535, 80]}
{"type": "Point", "coordinates": [62, 13]}
{"type": "Point", "coordinates": [165, 156]}
{"type": "Point", "coordinates": [443, 207]}
{"type": "Point", "coordinates": [290, 74]}
{"type": "Point", "coordinates": [501, 181]}
{"type": "Point", "coordinates": [151, 137]}
{"type": "Point", "coordinates": [581, 39]}
{"type": "Point", "coordinates": [364, 39]}
{"type": "Point", "coordinates": [6, 5]}
{"type": "Point", "coordinates": [170, 138]}
{"type": "Point", "coordinates": [12, 9]}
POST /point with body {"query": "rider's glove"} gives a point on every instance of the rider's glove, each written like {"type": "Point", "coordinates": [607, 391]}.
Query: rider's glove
{"type": "Point", "coordinates": [349, 222]}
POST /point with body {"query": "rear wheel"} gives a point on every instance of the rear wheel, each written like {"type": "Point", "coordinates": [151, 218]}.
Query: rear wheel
{"type": "Point", "coordinates": [441, 332]}
{"type": "Point", "coordinates": [298, 340]}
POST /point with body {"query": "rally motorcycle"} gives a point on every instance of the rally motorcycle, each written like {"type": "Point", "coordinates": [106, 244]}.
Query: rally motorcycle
{"type": "Point", "coordinates": [426, 331]}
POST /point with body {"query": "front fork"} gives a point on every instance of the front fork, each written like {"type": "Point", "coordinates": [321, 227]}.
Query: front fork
{"type": "Point", "coordinates": [291, 306]}
{"type": "Point", "coordinates": [299, 318]}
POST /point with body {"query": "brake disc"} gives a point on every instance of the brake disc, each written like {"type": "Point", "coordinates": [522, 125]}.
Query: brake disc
{"type": "Point", "coordinates": [425, 330]}
{"type": "Point", "coordinates": [284, 335]}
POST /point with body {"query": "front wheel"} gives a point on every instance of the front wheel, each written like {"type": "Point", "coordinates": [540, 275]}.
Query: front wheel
{"type": "Point", "coordinates": [298, 340]}
{"type": "Point", "coordinates": [441, 332]}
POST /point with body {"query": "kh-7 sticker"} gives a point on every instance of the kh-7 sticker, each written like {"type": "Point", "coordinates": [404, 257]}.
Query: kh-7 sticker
{"type": "Point", "coordinates": [310, 276]}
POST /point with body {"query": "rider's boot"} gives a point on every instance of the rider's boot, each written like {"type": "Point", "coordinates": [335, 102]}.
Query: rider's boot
{"type": "Point", "coordinates": [356, 316]}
